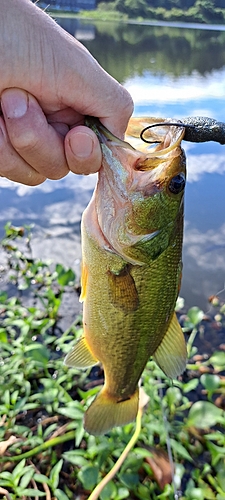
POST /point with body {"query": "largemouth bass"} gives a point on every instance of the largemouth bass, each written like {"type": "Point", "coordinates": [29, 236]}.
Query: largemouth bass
{"type": "Point", "coordinates": [131, 270]}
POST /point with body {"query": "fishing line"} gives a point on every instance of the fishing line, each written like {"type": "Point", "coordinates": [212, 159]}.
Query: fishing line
{"type": "Point", "coordinates": [177, 493]}
{"type": "Point", "coordinates": [98, 489]}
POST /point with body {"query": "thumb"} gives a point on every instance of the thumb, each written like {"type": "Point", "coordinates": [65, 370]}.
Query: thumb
{"type": "Point", "coordinates": [83, 151]}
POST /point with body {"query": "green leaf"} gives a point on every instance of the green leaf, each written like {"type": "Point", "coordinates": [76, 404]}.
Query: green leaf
{"type": "Point", "coordinates": [19, 470]}
{"type": "Point", "coordinates": [216, 451]}
{"type": "Point", "coordinates": [129, 479]}
{"type": "Point", "coordinates": [5, 475]}
{"type": "Point", "coordinates": [26, 478]}
{"type": "Point", "coordinates": [7, 482]}
{"type": "Point", "coordinates": [190, 385]}
{"type": "Point", "coordinates": [41, 478]}
{"type": "Point", "coordinates": [79, 433]}
{"type": "Point", "coordinates": [109, 491]}
{"type": "Point", "coordinates": [3, 336]}
{"type": "Point", "coordinates": [173, 396]}
{"type": "Point", "coordinates": [166, 493]}
{"type": "Point", "coordinates": [71, 411]}
{"type": "Point", "coordinates": [29, 492]}
{"type": "Point", "coordinates": [123, 493]}
{"type": "Point", "coordinates": [38, 352]}
{"type": "Point", "coordinates": [217, 360]}
{"type": "Point", "coordinates": [88, 477]}
{"type": "Point", "coordinates": [60, 495]}
{"type": "Point", "coordinates": [20, 404]}
{"type": "Point", "coordinates": [203, 414]}
{"type": "Point", "coordinates": [142, 452]}
{"type": "Point", "coordinates": [180, 450]}
{"type": "Point", "coordinates": [3, 297]}
{"type": "Point", "coordinates": [210, 382]}
{"type": "Point", "coordinates": [221, 478]}
{"type": "Point", "coordinates": [142, 491]}
{"type": "Point", "coordinates": [194, 317]}
{"type": "Point", "coordinates": [54, 474]}
{"type": "Point", "coordinates": [51, 428]}
{"type": "Point", "coordinates": [65, 277]}
{"type": "Point", "coordinates": [195, 494]}
{"type": "Point", "coordinates": [75, 458]}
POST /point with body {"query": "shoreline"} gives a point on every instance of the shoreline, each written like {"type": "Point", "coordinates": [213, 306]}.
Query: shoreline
{"type": "Point", "coordinates": [172, 24]}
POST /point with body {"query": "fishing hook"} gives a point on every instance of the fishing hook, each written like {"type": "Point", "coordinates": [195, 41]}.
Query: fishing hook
{"type": "Point", "coordinates": [197, 129]}
{"type": "Point", "coordinates": [164, 124]}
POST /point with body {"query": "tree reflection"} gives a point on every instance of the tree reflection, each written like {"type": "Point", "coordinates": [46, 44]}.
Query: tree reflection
{"type": "Point", "coordinates": [129, 50]}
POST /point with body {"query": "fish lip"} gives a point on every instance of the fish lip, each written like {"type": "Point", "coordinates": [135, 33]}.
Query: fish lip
{"type": "Point", "coordinates": [104, 135]}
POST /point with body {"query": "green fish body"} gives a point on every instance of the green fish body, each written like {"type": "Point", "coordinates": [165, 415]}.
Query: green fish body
{"type": "Point", "coordinates": [132, 233]}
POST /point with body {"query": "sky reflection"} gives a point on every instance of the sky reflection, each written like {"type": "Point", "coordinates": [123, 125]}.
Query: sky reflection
{"type": "Point", "coordinates": [55, 207]}
{"type": "Point", "coordinates": [147, 89]}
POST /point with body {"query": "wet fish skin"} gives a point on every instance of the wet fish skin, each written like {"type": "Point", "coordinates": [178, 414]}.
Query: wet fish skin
{"type": "Point", "coordinates": [131, 246]}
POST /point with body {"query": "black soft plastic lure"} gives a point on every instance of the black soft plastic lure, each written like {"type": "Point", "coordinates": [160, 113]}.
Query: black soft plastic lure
{"type": "Point", "coordinates": [197, 129]}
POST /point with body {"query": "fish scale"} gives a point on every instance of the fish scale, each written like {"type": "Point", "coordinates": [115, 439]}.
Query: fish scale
{"type": "Point", "coordinates": [132, 234]}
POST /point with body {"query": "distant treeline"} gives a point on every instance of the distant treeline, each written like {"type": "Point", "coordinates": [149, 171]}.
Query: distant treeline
{"type": "Point", "coordinates": [202, 11]}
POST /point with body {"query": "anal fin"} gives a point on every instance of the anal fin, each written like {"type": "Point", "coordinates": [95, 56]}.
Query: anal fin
{"type": "Point", "coordinates": [171, 354]}
{"type": "Point", "coordinates": [80, 356]}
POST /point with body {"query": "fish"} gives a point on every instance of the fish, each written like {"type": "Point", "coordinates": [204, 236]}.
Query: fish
{"type": "Point", "coordinates": [132, 233]}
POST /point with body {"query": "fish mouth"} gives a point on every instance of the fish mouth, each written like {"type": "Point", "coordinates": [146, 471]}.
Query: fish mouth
{"type": "Point", "coordinates": [161, 135]}
{"type": "Point", "coordinates": [104, 135]}
{"type": "Point", "coordinates": [155, 136]}
{"type": "Point", "coordinates": [142, 169]}
{"type": "Point", "coordinates": [130, 183]}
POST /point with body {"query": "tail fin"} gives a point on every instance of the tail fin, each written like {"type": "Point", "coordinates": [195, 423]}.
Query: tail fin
{"type": "Point", "coordinates": [106, 412]}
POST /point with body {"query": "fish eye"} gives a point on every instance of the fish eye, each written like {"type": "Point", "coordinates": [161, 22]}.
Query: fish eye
{"type": "Point", "coordinates": [177, 184]}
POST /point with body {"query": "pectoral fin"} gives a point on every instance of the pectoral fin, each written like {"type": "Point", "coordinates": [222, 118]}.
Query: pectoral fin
{"type": "Point", "coordinates": [122, 290]}
{"type": "Point", "coordinates": [80, 356]}
{"type": "Point", "coordinates": [171, 355]}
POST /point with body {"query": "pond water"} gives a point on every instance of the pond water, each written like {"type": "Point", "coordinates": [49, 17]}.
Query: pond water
{"type": "Point", "coordinates": [170, 72]}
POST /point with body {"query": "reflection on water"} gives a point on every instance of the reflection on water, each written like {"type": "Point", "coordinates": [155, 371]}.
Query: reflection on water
{"type": "Point", "coordinates": [170, 72]}
{"type": "Point", "coordinates": [130, 50]}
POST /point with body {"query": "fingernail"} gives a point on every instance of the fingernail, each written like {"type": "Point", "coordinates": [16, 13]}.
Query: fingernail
{"type": "Point", "coordinates": [14, 103]}
{"type": "Point", "coordinates": [81, 145]}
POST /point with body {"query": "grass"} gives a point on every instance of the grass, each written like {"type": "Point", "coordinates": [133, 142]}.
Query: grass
{"type": "Point", "coordinates": [44, 450]}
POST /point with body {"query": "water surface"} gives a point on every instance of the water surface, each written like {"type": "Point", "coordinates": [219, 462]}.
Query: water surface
{"type": "Point", "coordinates": [170, 72]}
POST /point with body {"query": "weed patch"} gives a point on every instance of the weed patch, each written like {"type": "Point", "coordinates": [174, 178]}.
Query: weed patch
{"type": "Point", "coordinates": [44, 450]}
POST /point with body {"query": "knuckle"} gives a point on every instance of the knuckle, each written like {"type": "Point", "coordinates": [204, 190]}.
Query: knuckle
{"type": "Point", "coordinates": [55, 176]}
{"type": "Point", "coordinates": [53, 170]}
{"type": "Point", "coordinates": [128, 103]}
{"type": "Point", "coordinates": [25, 141]}
{"type": "Point", "coordinates": [36, 180]}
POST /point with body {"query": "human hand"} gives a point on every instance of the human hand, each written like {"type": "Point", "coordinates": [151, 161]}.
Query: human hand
{"type": "Point", "coordinates": [50, 82]}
